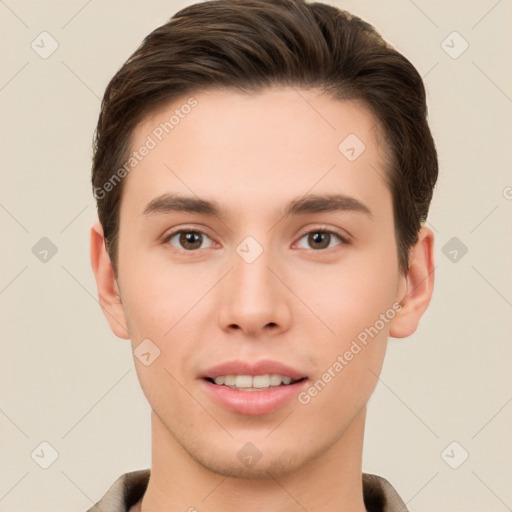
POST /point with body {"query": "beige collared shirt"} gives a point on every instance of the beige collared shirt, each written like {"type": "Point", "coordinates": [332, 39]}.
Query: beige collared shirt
{"type": "Point", "coordinates": [379, 495]}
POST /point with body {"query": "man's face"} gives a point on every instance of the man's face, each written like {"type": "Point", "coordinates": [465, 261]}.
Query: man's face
{"type": "Point", "coordinates": [253, 288]}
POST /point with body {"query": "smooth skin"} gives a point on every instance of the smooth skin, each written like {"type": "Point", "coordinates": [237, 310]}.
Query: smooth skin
{"type": "Point", "coordinates": [301, 302]}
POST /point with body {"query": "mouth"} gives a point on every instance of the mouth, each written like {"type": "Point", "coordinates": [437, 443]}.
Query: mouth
{"type": "Point", "coordinates": [253, 382]}
{"type": "Point", "coordinates": [252, 388]}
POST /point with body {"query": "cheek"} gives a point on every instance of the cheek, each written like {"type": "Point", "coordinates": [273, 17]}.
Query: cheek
{"type": "Point", "coordinates": [355, 297]}
{"type": "Point", "coordinates": [156, 295]}
{"type": "Point", "coordinates": [347, 369]}
{"type": "Point", "coordinates": [357, 305]}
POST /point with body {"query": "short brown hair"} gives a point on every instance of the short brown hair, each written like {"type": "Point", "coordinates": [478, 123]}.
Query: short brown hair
{"type": "Point", "coordinates": [249, 45]}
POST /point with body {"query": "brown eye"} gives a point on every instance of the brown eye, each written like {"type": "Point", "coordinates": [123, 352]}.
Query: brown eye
{"type": "Point", "coordinates": [320, 239]}
{"type": "Point", "coordinates": [188, 240]}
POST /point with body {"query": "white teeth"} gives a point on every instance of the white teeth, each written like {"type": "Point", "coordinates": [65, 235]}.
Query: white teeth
{"type": "Point", "coordinates": [243, 381]}
{"type": "Point", "coordinates": [229, 380]}
{"type": "Point", "coordinates": [261, 381]}
{"type": "Point", "coordinates": [250, 383]}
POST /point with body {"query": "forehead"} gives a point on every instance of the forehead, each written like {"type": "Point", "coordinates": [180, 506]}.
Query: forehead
{"type": "Point", "coordinates": [276, 113]}
{"type": "Point", "coordinates": [254, 145]}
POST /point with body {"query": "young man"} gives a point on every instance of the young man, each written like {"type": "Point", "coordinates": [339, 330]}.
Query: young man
{"type": "Point", "coordinates": [263, 171]}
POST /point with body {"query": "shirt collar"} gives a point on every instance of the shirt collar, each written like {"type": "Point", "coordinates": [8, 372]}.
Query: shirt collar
{"type": "Point", "coordinates": [379, 495]}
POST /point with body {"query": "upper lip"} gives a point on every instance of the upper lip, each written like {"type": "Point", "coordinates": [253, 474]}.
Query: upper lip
{"type": "Point", "coordinates": [263, 367]}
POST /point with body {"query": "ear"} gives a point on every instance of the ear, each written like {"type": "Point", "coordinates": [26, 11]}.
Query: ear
{"type": "Point", "coordinates": [419, 284]}
{"type": "Point", "coordinates": [108, 290]}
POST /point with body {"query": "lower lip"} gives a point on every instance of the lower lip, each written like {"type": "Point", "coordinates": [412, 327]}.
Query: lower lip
{"type": "Point", "coordinates": [253, 402]}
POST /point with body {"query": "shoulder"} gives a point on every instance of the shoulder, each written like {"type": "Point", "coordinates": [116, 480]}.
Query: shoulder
{"type": "Point", "coordinates": [380, 496]}
{"type": "Point", "coordinates": [124, 492]}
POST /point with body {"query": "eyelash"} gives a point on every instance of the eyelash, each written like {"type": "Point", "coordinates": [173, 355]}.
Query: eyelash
{"type": "Point", "coordinates": [343, 240]}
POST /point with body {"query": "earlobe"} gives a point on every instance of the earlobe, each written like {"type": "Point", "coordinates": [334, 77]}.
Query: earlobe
{"type": "Point", "coordinates": [106, 283]}
{"type": "Point", "coordinates": [420, 285]}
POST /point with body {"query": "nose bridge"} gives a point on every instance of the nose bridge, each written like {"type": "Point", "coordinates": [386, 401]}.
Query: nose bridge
{"type": "Point", "coordinates": [251, 273]}
{"type": "Point", "coordinates": [252, 298]}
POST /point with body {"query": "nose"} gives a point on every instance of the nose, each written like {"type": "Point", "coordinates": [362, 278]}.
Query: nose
{"type": "Point", "coordinates": [254, 298]}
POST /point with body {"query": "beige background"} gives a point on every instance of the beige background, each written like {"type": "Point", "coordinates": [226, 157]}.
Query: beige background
{"type": "Point", "coordinates": [65, 378]}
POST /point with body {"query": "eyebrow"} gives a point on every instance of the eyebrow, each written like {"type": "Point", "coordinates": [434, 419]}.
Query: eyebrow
{"type": "Point", "coordinates": [313, 203]}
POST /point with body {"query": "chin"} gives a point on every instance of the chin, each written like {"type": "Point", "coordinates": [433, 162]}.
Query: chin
{"type": "Point", "coordinates": [268, 466]}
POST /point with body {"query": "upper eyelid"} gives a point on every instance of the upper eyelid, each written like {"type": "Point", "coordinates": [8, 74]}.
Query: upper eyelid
{"type": "Point", "coordinates": [186, 229]}
{"type": "Point", "coordinates": [323, 228]}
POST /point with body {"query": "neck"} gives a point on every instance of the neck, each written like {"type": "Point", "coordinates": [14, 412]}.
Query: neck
{"type": "Point", "coordinates": [331, 482]}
